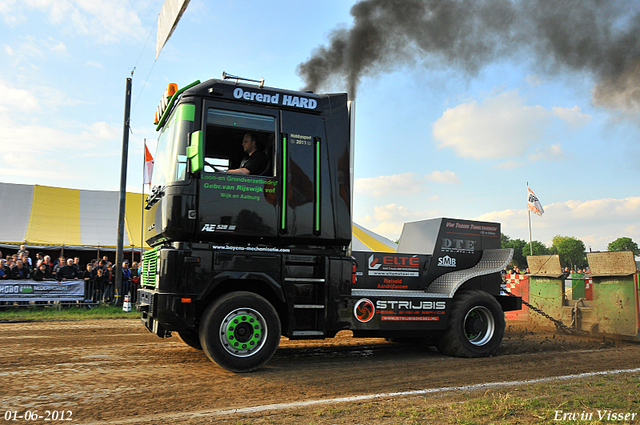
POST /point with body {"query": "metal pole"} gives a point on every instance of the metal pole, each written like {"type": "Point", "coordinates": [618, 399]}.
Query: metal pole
{"type": "Point", "coordinates": [144, 169]}
{"type": "Point", "coordinates": [123, 192]}
{"type": "Point", "coordinates": [529, 214]}
{"type": "Point", "coordinates": [530, 243]}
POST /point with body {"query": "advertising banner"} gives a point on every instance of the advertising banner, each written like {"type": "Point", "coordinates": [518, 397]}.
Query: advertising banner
{"type": "Point", "coordinates": [27, 290]}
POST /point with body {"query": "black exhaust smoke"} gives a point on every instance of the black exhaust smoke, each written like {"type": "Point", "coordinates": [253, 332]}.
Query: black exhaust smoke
{"type": "Point", "coordinates": [598, 37]}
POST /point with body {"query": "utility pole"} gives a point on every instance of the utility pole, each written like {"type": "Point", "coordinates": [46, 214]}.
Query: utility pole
{"type": "Point", "coordinates": [123, 192]}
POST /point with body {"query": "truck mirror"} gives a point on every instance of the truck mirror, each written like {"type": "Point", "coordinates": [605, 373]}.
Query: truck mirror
{"type": "Point", "coordinates": [195, 151]}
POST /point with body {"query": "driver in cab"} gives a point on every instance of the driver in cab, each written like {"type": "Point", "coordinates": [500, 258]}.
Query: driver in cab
{"type": "Point", "coordinates": [256, 161]}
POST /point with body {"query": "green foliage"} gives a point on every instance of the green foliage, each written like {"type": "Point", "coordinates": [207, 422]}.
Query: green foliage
{"type": "Point", "coordinates": [624, 244]}
{"type": "Point", "coordinates": [519, 259]}
{"type": "Point", "coordinates": [570, 250]}
{"type": "Point", "coordinates": [504, 240]}
{"type": "Point", "coordinates": [538, 249]}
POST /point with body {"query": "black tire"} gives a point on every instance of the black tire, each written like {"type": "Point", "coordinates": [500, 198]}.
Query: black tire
{"type": "Point", "coordinates": [476, 326]}
{"type": "Point", "coordinates": [191, 338]}
{"type": "Point", "coordinates": [240, 331]}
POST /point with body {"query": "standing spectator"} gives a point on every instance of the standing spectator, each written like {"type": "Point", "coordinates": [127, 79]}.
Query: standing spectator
{"type": "Point", "coordinates": [67, 272]}
{"type": "Point", "coordinates": [100, 282]}
{"type": "Point", "coordinates": [39, 259]}
{"type": "Point", "coordinates": [9, 265]}
{"type": "Point", "coordinates": [20, 271]}
{"type": "Point", "coordinates": [49, 266]}
{"type": "Point", "coordinates": [22, 250]}
{"type": "Point", "coordinates": [40, 274]}
{"type": "Point", "coordinates": [57, 266]}
{"type": "Point", "coordinates": [76, 264]}
{"type": "Point", "coordinates": [25, 256]}
{"type": "Point", "coordinates": [94, 265]}
{"type": "Point", "coordinates": [26, 262]}
{"type": "Point", "coordinates": [103, 265]}
{"type": "Point", "coordinates": [126, 278]}
{"type": "Point", "coordinates": [108, 285]}
{"type": "Point", "coordinates": [5, 272]}
{"type": "Point", "coordinates": [135, 282]}
{"type": "Point", "coordinates": [89, 290]}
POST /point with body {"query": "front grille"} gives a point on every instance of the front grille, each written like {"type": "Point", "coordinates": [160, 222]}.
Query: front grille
{"type": "Point", "coordinates": [150, 267]}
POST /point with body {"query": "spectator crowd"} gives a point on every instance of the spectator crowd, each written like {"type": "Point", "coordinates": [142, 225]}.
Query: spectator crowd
{"type": "Point", "coordinates": [566, 271]}
{"type": "Point", "coordinates": [98, 275]}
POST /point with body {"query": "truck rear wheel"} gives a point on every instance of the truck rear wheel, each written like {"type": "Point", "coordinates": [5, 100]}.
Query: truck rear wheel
{"type": "Point", "coordinates": [191, 338]}
{"type": "Point", "coordinates": [476, 326]}
{"type": "Point", "coordinates": [240, 331]}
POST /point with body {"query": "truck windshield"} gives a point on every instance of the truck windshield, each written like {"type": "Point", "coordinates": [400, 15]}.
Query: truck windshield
{"type": "Point", "coordinates": [170, 161]}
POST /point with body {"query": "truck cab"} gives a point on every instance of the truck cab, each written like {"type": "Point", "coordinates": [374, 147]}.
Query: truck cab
{"type": "Point", "coordinates": [301, 197]}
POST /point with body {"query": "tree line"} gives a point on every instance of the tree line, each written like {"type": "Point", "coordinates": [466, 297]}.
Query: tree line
{"type": "Point", "coordinates": [572, 251]}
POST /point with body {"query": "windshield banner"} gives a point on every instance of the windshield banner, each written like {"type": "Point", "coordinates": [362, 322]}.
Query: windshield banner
{"type": "Point", "coordinates": [26, 290]}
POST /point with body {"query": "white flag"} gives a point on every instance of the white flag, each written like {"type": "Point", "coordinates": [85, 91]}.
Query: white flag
{"type": "Point", "coordinates": [168, 18]}
{"type": "Point", "coordinates": [533, 204]}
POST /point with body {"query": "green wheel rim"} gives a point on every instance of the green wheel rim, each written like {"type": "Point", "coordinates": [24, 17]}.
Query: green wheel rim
{"type": "Point", "coordinates": [243, 332]}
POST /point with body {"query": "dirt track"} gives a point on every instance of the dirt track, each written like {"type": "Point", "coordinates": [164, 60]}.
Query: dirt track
{"type": "Point", "coordinates": [115, 371]}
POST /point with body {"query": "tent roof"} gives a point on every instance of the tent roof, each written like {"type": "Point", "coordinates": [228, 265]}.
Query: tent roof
{"type": "Point", "coordinates": [15, 209]}
{"type": "Point", "coordinates": [366, 240]}
{"type": "Point", "coordinates": [54, 216]}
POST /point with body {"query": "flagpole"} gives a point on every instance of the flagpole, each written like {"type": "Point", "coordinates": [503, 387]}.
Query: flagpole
{"type": "Point", "coordinates": [530, 242]}
{"type": "Point", "coordinates": [144, 169]}
{"type": "Point", "coordinates": [529, 214]}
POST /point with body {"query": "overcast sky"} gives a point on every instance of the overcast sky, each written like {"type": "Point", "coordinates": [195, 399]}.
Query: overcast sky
{"type": "Point", "coordinates": [457, 108]}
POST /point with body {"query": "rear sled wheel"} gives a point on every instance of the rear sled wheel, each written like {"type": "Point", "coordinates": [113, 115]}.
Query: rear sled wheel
{"type": "Point", "coordinates": [476, 326]}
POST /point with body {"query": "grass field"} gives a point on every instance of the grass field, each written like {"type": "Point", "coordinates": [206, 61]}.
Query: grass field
{"type": "Point", "coordinates": [55, 312]}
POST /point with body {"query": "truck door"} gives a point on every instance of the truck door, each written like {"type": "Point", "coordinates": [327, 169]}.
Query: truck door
{"type": "Point", "coordinates": [230, 204]}
{"type": "Point", "coordinates": [302, 138]}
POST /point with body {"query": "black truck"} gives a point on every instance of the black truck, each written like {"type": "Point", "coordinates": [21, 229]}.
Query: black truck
{"type": "Point", "coordinates": [239, 260]}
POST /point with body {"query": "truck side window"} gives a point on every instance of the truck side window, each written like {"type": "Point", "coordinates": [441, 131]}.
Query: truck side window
{"type": "Point", "coordinates": [224, 134]}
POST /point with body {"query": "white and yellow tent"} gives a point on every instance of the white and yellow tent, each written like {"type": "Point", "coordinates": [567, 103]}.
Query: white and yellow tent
{"type": "Point", "coordinates": [45, 216]}
{"type": "Point", "coordinates": [54, 217]}
{"type": "Point", "coordinates": [366, 240]}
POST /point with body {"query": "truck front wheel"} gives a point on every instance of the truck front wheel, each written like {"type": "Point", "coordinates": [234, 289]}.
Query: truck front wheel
{"type": "Point", "coordinates": [476, 326]}
{"type": "Point", "coordinates": [240, 331]}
